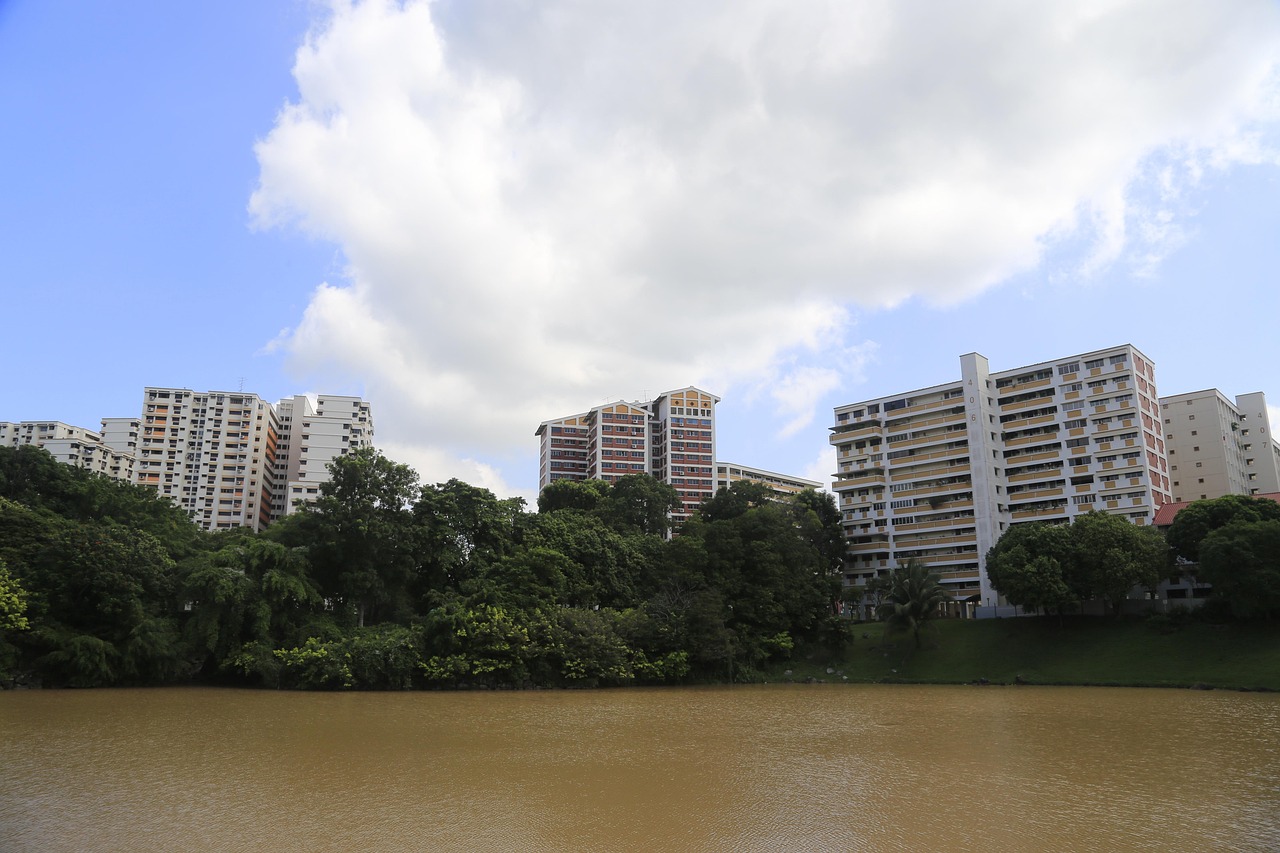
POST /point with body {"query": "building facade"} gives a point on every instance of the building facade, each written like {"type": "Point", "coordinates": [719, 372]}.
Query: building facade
{"type": "Point", "coordinates": [1219, 447]}
{"type": "Point", "coordinates": [784, 484]}
{"type": "Point", "coordinates": [671, 438]}
{"type": "Point", "coordinates": [939, 473]}
{"type": "Point", "coordinates": [72, 445]}
{"type": "Point", "coordinates": [211, 453]}
{"type": "Point", "coordinates": [231, 459]}
{"type": "Point", "coordinates": [309, 437]}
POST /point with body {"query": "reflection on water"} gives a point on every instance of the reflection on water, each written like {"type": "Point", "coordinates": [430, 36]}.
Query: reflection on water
{"type": "Point", "coordinates": [769, 768]}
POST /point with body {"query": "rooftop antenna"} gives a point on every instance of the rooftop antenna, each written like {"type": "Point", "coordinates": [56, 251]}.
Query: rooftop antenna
{"type": "Point", "coordinates": [242, 384]}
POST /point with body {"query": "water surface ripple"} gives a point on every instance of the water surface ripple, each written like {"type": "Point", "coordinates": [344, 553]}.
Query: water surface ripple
{"type": "Point", "coordinates": [765, 768]}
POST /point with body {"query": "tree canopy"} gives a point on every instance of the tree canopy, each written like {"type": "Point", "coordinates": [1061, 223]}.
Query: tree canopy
{"type": "Point", "coordinates": [1200, 518]}
{"type": "Point", "coordinates": [1097, 556]}
{"type": "Point", "coordinates": [384, 583]}
{"type": "Point", "coordinates": [913, 599]}
{"type": "Point", "coordinates": [1242, 561]}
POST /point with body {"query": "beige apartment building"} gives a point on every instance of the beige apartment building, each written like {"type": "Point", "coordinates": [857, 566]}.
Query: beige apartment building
{"type": "Point", "coordinates": [1219, 447]}
{"type": "Point", "coordinates": [784, 484]}
{"type": "Point", "coordinates": [939, 473]}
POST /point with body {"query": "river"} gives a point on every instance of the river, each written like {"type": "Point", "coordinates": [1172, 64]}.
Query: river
{"type": "Point", "coordinates": [747, 768]}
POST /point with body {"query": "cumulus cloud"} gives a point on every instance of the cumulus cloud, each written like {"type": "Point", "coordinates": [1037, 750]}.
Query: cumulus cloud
{"type": "Point", "coordinates": [544, 205]}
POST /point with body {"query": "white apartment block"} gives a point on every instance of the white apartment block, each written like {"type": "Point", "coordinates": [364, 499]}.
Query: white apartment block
{"type": "Point", "coordinates": [71, 445]}
{"type": "Point", "coordinates": [310, 437]}
{"type": "Point", "coordinates": [1219, 447]}
{"type": "Point", "coordinates": [231, 459]}
{"type": "Point", "coordinates": [121, 434]}
{"type": "Point", "coordinates": [671, 438]}
{"type": "Point", "coordinates": [938, 474]}
{"type": "Point", "coordinates": [223, 456]}
{"type": "Point", "coordinates": [784, 484]}
{"type": "Point", "coordinates": [211, 453]}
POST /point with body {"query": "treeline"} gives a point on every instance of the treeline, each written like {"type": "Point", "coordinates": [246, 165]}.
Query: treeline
{"type": "Point", "coordinates": [1231, 543]}
{"type": "Point", "coordinates": [387, 584]}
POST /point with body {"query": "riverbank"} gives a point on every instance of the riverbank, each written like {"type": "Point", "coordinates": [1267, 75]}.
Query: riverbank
{"type": "Point", "coordinates": [1080, 651]}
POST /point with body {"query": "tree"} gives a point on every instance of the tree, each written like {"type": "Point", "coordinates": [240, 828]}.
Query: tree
{"type": "Point", "coordinates": [463, 529]}
{"type": "Point", "coordinates": [572, 494]}
{"type": "Point", "coordinates": [364, 551]}
{"type": "Point", "coordinates": [1200, 518]}
{"type": "Point", "coordinates": [32, 477]}
{"type": "Point", "coordinates": [735, 499]}
{"type": "Point", "coordinates": [915, 595]}
{"type": "Point", "coordinates": [1110, 556]}
{"type": "Point", "coordinates": [640, 503]}
{"type": "Point", "coordinates": [13, 603]}
{"type": "Point", "coordinates": [100, 599]}
{"type": "Point", "coordinates": [1242, 561]}
{"type": "Point", "coordinates": [1028, 566]}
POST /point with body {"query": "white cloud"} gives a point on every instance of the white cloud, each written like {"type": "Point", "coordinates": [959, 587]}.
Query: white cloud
{"type": "Point", "coordinates": [822, 467]}
{"type": "Point", "coordinates": [437, 466]}
{"type": "Point", "coordinates": [543, 204]}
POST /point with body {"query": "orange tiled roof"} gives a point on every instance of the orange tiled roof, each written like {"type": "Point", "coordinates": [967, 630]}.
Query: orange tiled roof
{"type": "Point", "coordinates": [1166, 514]}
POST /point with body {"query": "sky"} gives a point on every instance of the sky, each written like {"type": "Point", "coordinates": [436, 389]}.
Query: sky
{"type": "Point", "coordinates": [481, 215]}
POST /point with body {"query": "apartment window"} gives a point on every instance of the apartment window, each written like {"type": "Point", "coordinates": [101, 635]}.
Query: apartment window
{"type": "Point", "coordinates": [1194, 432]}
{"type": "Point", "coordinates": [1196, 449]}
{"type": "Point", "coordinates": [1198, 465]}
{"type": "Point", "coordinates": [1201, 480]}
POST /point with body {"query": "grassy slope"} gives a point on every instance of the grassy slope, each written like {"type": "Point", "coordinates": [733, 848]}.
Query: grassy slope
{"type": "Point", "coordinates": [1082, 651]}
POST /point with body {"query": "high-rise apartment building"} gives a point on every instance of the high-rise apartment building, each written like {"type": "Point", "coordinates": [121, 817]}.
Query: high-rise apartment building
{"type": "Point", "coordinates": [231, 459]}
{"type": "Point", "coordinates": [1218, 447]}
{"type": "Point", "coordinates": [212, 453]}
{"type": "Point", "coordinates": [671, 438]}
{"type": "Point", "coordinates": [72, 445]}
{"type": "Point", "coordinates": [938, 474]}
{"type": "Point", "coordinates": [309, 438]}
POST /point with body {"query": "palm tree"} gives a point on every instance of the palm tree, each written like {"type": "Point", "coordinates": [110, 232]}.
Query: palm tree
{"type": "Point", "coordinates": [915, 594]}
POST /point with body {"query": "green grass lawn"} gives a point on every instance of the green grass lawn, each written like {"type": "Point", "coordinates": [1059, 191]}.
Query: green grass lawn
{"type": "Point", "coordinates": [1081, 650]}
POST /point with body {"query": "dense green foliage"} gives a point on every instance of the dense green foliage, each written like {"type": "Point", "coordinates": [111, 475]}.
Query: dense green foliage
{"type": "Point", "coordinates": [1051, 567]}
{"type": "Point", "coordinates": [1200, 518]}
{"type": "Point", "coordinates": [912, 599]}
{"type": "Point", "coordinates": [1242, 561]}
{"type": "Point", "coordinates": [386, 584]}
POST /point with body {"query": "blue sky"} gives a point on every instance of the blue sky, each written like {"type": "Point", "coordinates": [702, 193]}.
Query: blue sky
{"type": "Point", "coordinates": [482, 215]}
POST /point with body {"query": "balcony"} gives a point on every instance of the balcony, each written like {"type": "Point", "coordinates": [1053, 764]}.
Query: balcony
{"type": "Point", "coordinates": [849, 431]}
{"type": "Point", "coordinates": [934, 542]}
{"type": "Point", "coordinates": [1047, 512]}
{"type": "Point", "coordinates": [1023, 423]}
{"type": "Point", "coordinates": [852, 479]}
{"type": "Point", "coordinates": [962, 521]}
